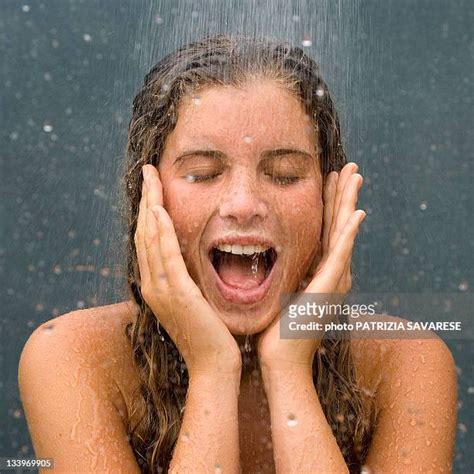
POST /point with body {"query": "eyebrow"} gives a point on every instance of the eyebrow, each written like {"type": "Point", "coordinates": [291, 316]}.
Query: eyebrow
{"type": "Point", "coordinates": [268, 154]}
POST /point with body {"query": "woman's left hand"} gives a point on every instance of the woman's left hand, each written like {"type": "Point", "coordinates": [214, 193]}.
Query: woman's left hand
{"type": "Point", "coordinates": [341, 224]}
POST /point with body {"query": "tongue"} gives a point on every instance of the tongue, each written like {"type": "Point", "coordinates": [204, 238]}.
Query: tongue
{"type": "Point", "coordinates": [241, 272]}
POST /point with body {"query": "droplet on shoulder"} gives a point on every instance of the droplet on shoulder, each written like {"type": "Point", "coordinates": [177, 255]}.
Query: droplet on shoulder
{"type": "Point", "coordinates": [292, 420]}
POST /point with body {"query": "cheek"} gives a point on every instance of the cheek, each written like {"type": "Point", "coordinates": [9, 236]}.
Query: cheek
{"type": "Point", "coordinates": [303, 222]}
{"type": "Point", "coordinates": [303, 215]}
{"type": "Point", "coordinates": [188, 212]}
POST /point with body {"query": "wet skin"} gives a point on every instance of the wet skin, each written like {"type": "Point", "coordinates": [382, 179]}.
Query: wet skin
{"type": "Point", "coordinates": [246, 182]}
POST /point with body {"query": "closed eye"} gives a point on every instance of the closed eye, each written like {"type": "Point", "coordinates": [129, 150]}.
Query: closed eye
{"type": "Point", "coordinates": [195, 178]}
{"type": "Point", "coordinates": [284, 180]}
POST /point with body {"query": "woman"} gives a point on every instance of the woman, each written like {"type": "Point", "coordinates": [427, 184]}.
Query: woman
{"type": "Point", "coordinates": [238, 192]}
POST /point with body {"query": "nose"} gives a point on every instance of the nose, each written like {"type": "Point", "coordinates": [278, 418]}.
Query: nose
{"type": "Point", "coordinates": [243, 201]}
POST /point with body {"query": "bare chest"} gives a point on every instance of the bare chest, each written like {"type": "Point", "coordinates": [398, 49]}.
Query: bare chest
{"type": "Point", "coordinates": [256, 450]}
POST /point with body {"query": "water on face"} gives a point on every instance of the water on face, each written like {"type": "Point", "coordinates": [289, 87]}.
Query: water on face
{"type": "Point", "coordinates": [254, 266]}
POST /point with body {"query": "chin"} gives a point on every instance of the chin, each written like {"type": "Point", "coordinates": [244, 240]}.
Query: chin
{"type": "Point", "coordinates": [243, 323]}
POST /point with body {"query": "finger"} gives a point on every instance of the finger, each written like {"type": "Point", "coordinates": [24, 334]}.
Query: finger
{"type": "Point", "coordinates": [152, 236]}
{"type": "Point", "coordinates": [172, 259]}
{"type": "Point", "coordinates": [329, 196]}
{"type": "Point", "coordinates": [337, 261]}
{"type": "Point", "coordinates": [155, 188]}
{"type": "Point", "coordinates": [140, 240]}
{"type": "Point", "coordinates": [345, 282]}
{"type": "Point", "coordinates": [348, 204]}
{"type": "Point", "coordinates": [347, 171]}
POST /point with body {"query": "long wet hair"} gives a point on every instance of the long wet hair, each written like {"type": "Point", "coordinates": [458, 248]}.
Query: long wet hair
{"type": "Point", "coordinates": [158, 403]}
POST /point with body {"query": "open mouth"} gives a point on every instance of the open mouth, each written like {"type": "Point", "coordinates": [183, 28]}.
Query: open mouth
{"type": "Point", "coordinates": [243, 271]}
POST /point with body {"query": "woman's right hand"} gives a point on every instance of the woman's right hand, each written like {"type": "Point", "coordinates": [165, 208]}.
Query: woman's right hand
{"type": "Point", "coordinates": [201, 337]}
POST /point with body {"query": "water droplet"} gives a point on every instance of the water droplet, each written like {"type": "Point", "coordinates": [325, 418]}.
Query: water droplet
{"type": "Point", "coordinates": [295, 18]}
{"type": "Point", "coordinates": [25, 8]}
{"type": "Point", "coordinates": [462, 428]}
{"type": "Point", "coordinates": [14, 136]}
{"type": "Point", "coordinates": [105, 272]}
{"type": "Point", "coordinates": [368, 391]}
{"type": "Point", "coordinates": [247, 346]}
{"type": "Point", "coordinates": [254, 265]}
{"type": "Point", "coordinates": [158, 20]}
{"type": "Point", "coordinates": [470, 390]}
{"type": "Point", "coordinates": [185, 437]}
{"type": "Point", "coordinates": [87, 37]}
{"type": "Point", "coordinates": [306, 42]}
{"type": "Point", "coordinates": [292, 421]}
{"type": "Point", "coordinates": [47, 128]}
{"type": "Point", "coordinates": [423, 206]}
{"type": "Point", "coordinates": [320, 92]}
{"type": "Point", "coordinates": [49, 328]}
{"type": "Point", "coordinates": [428, 442]}
{"type": "Point", "coordinates": [463, 286]}
{"type": "Point", "coordinates": [197, 100]}
{"type": "Point", "coordinates": [365, 470]}
{"type": "Point", "coordinates": [217, 469]}
{"type": "Point", "coordinates": [248, 139]}
{"type": "Point", "coordinates": [190, 178]}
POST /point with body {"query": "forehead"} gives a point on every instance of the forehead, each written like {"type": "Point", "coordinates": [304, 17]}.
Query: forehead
{"type": "Point", "coordinates": [261, 112]}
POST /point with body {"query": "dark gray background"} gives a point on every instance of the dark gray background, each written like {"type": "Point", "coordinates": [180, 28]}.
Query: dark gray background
{"type": "Point", "coordinates": [401, 75]}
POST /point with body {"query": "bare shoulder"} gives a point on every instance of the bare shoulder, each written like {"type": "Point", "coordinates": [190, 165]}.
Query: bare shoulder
{"type": "Point", "coordinates": [70, 375]}
{"type": "Point", "coordinates": [391, 344]}
{"type": "Point", "coordinates": [379, 360]}
{"type": "Point", "coordinates": [415, 385]}
{"type": "Point", "coordinates": [95, 336]}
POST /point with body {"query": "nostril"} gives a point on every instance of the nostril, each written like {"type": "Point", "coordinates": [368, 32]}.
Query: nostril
{"type": "Point", "coordinates": [243, 205]}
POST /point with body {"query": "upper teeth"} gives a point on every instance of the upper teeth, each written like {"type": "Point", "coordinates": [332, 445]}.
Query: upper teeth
{"type": "Point", "coordinates": [242, 249]}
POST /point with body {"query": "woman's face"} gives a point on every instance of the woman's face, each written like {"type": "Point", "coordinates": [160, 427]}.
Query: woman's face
{"type": "Point", "coordinates": [242, 184]}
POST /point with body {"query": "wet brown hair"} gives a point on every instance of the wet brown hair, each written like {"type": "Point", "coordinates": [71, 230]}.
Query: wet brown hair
{"type": "Point", "coordinates": [159, 402]}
